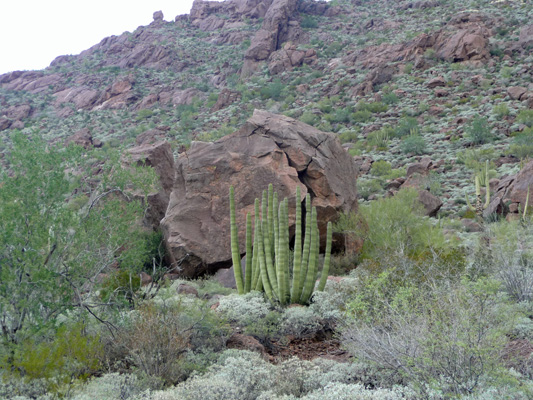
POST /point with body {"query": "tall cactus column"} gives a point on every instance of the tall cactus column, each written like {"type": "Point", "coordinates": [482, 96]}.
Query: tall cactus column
{"type": "Point", "coordinates": [267, 261]}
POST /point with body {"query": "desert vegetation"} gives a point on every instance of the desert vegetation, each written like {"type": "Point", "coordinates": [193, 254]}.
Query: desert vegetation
{"type": "Point", "coordinates": [430, 295]}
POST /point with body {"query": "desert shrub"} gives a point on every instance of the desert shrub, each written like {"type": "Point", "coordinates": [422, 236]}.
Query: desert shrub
{"type": "Point", "coordinates": [300, 322]}
{"type": "Point", "coordinates": [157, 337]}
{"type": "Point", "coordinates": [511, 256]}
{"type": "Point", "coordinates": [390, 98]}
{"type": "Point", "coordinates": [413, 144]}
{"type": "Point", "coordinates": [381, 168]}
{"type": "Point", "coordinates": [525, 117]}
{"type": "Point", "coordinates": [240, 375]}
{"type": "Point", "coordinates": [478, 131]}
{"type": "Point", "coordinates": [406, 126]}
{"type": "Point", "coordinates": [500, 110]}
{"type": "Point", "coordinates": [349, 136]}
{"type": "Point", "coordinates": [379, 139]}
{"type": "Point", "coordinates": [68, 354]}
{"type": "Point", "coordinates": [244, 309]}
{"type": "Point", "coordinates": [522, 146]}
{"type": "Point", "coordinates": [273, 90]}
{"type": "Point", "coordinates": [309, 118]}
{"type": "Point", "coordinates": [309, 22]}
{"type": "Point", "coordinates": [394, 225]}
{"type": "Point", "coordinates": [368, 187]}
{"type": "Point", "coordinates": [111, 386]}
{"type": "Point", "coordinates": [361, 116]}
{"type": "Point", "coordinates": [435, 338]}
{"type": "Point", "coordinates": [373, 107]}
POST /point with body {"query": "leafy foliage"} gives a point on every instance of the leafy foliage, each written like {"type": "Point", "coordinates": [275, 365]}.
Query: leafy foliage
{"type": "Point", "coordinates": [48, 250]}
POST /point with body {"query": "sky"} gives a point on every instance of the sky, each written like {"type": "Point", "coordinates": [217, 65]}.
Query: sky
{"type": "Point", "coordinates": [34, 32]}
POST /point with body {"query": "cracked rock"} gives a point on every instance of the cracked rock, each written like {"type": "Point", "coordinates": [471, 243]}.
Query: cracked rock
{"type": "Point", "coordinates": [269, 148]}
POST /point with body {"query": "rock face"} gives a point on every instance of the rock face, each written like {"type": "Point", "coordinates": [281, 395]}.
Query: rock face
{"type": "Point", "coordinates": [268, 149]}
{"type": "Point", "coordinates": [158, 156]}
{"type": "Point", "coordinates": [274, 31]}
{"type": "Point", "coordinates": [512, 191]}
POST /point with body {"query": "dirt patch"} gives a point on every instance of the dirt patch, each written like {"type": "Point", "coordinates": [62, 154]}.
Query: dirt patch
{"type": "Point", "coordinates": [307, 349]}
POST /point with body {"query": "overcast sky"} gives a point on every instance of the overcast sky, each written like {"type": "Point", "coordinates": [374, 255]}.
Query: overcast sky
{"type": "Point", "coordinates": [34, 32]}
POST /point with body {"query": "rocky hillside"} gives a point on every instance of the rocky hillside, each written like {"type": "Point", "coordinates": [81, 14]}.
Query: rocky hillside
{"type": "Point", "coordinates": [443, 85]}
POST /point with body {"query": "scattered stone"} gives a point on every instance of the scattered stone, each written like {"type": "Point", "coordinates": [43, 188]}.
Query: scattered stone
{"type": "Point", "coordinates": [145, 279]}
{"type": "Point", "coordinates": [436, 82]}
{"type": "Point", "coordinates": [183, 288]}
{"type": "Point", "coordinates": [516, 92]}
{"type": "Point", "coordinates": [245, 342]}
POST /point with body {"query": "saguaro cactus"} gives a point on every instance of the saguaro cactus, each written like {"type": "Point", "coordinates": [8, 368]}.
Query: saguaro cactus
{"type": "Point", "coordinates": [267, 261]}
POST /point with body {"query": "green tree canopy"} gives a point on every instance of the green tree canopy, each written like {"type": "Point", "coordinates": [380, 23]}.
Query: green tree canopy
{"type": "Point", "coordinates": [66, 216]}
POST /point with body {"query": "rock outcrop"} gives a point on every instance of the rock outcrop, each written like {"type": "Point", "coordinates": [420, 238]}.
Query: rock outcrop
{"type": "Point", "coordinates": [159, 157]}
{"type": "Point", "coordinates": [511, 193]}
{"type": "Point", "coordinates": [274, 31]}
{"type": "Point", "coordinates": [268, 149]}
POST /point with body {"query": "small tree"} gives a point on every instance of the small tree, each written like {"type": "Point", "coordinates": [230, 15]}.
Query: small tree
{"type": "Point", "coordinates": [60, 228]}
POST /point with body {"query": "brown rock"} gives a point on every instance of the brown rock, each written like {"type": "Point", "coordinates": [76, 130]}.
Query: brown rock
{"type": "Point", "coordinates": [158, 156]}
{"type": "Point", "coordinates": [158, 16]}
{"type": "Point", "coordinates": [471, 226]}
{"type": "Point", "coordinates": [431, 203]}
{"type": "Point", "coordinates": [4, 123]}
{"type": "Point", "coordinates": [436, 82]}
{"type": "Point", "coordinates": [523, 182]}
{"type": "Point", "coordinates": [525, 39]}
{"type": "Point", "coordinates": [17, 112]}
{"type": "Point", "coordinates": [273, 32]}
{"type": "Point", "coordinates": [245, 342]}
{"type": "Point", "coordinates": [150, 136]}
{"type": "Point", "coordinates": [145, 279]}
{"type": "Point", "coordinates": [226, 98]}
{"type": "Point", "coordinates": [516, 92]}
{"type": "Point", "coordinates": [82, 138]}
{"type": "Point", "coordinates": [82, 97]}
{"type": "Point", "coordinates": [268, 149]}
{"type": "Point", "coordinates": [183, 288]}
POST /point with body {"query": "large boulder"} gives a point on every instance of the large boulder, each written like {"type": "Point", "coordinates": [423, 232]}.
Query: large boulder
{"type": "Point", "coordinates": [268, 149]}
{"type": "Point", "coordinates": [159, 157]}
{"type": "Point", "coordinates": [511, 193]}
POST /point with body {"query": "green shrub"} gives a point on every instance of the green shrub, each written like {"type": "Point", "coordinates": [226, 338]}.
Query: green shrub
{"type": "Point", "coordinates": [381, 168]}
{"type": "Point", "coordinates": [390, 98]}
{"type": "Point", "coordinates": [394, 225]}
{"type": "Point", "coordinates": [309, 118]}
{"type": "Point", "coordinates": [368, 187]}
{"type": "Point", "coordinates": [525, 117]}
{"type": "Point", "coordinates": [406, 126]}
{"type": "Point", "coordinates": [379, 139]}
{"type": "Point", "coordinates": [361, 116]}
{"type": "Point", "coordinates": [300, 322]}
{"type": "Point", "coordinates": [413, 144]}
{"type": "Point", "coordinates": [68, 355]}
{"type": "Point", "coordinates": [308, 22]}
{"type": "Point", "coordinates": [500, 110]}
{"type": "Point", "coordinates": [434, 338]}
{"type": "Point", "coordinates": [157, 338]}
{"type": "Point", "coordinates": [522, 146]}
{"type": "Point", "coordinates": [373, 107]}
{"type": "Point", "coordinates": [478, 131]}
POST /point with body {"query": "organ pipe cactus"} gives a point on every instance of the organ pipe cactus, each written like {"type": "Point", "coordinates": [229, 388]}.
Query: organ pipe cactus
{"type": "Point", "coordinates": [268, 261]}
{"type": "Point", "coordinates": [480, 206]}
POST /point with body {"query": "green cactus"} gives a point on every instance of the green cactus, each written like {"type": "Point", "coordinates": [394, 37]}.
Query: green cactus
{"type": "Point", "coordinates": [480, 206]}
{"type": "Point", "coordinates": [267, 261]}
